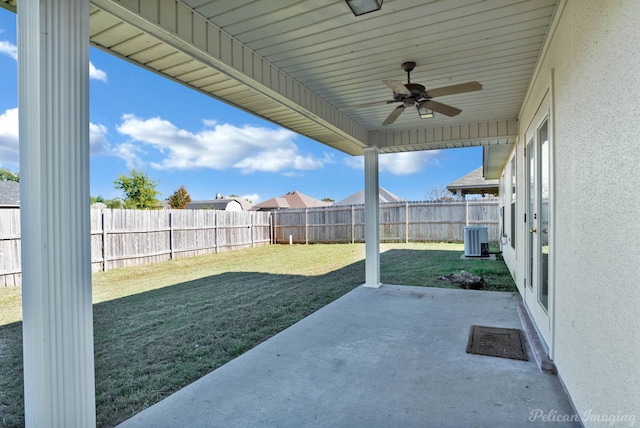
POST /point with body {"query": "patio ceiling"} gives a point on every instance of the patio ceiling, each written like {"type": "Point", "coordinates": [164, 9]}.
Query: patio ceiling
{"type": "Point", "coordinates": [300, 63]}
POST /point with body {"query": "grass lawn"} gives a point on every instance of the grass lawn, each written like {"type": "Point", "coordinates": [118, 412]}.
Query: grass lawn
{"type": "Point", "coordinates": [160, 327]}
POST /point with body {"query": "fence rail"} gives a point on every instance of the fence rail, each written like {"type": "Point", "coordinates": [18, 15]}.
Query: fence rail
{"type": "Point", "coordinates": [132, 237]}
{"type": "Point", "coordinates": [399, 222]}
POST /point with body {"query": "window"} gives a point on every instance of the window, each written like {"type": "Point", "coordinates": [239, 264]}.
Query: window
{"type": "Point", "coordinates": [513, 179]}
{"type": "Point", "coordinates": [513, 202]}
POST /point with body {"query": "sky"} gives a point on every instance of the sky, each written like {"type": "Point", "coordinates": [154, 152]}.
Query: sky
{"type": "Point", "coordinates": [180, 137]}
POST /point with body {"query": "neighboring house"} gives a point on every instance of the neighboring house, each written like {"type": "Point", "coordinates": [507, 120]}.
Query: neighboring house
{"type": "Point", "coordinates": [9, 194]}
{"type": "Point", "coordinates": [222, 203]}
{"type": "Point", "coordinates": [290, 200]}
{"type": "Point", "coordinates": [358, 198]}
{"type": "Point", "coordinates": [474, 183]}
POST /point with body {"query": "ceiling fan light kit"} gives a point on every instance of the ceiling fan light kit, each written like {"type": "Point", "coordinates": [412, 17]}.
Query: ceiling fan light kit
{"type": "Point", "coordinates": [414, 94]}
{"type": "Point", "coordinates": [424, 113]}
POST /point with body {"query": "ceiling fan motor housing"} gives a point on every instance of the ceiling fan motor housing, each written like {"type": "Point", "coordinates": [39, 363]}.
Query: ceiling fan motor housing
{"type": "Point", "coordinates": [417, 92]}
{"type": "Point", "coordinates": [415, 89]}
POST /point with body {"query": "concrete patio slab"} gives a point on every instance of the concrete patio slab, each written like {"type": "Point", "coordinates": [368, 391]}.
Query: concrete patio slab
{"type": "Point", "coordinates": [387, 357]}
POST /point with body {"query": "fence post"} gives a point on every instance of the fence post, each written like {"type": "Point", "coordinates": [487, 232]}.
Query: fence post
{"type": "Point", "coordinates": [306, 226]}
{"type": "Point", "coordinates": [271, 228]}
{"type": "Point", "coordinates": [215, 229]}
{"type": "Point", "coordinates": [251, 226]}
{"type": "Point", "coordinates": [353, 225]}
{"type": "Point", "coordinates": [406, 223]}
{"type": "Point", "coordinates": [171, 256]}
{"type": "Point", "coordinates": [104, 241]}
{"type": "Point", "coordinates": [466, 216]}
{"type": "Point", "coordinates": [272, 218]}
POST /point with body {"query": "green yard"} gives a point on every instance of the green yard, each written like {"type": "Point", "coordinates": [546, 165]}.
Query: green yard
{"type": "Point", "coordinates": [160, 327]}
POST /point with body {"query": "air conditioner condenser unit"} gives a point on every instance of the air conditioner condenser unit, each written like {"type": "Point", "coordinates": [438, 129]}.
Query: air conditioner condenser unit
{"type": "Point", "coordinates": [476, 241]}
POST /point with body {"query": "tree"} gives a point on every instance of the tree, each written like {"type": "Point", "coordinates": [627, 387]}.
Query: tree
{"type": "Point", "coordinates": [139, 190]}
{"type": "Point", "coordinates": [179, 199]}
{"type": "Point", "coordinates": [440, 194]}
{"type": "Point", "coordinates": [327, 200]}
{"type": "Point", "coordinates": [96, 199]}
{"type": "Point", "coordinates": [115, 203]}
{"type": "Point", "coordinates": [6, 175]}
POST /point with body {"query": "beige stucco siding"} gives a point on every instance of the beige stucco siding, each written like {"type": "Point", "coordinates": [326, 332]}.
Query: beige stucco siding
{"type": "Point", "coordinates": [592, 73]}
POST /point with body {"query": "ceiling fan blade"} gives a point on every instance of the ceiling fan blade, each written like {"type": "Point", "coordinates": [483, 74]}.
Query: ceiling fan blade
{"type": "Point", "coordinates": [394, 115]}
{"type": "Point", "coordinates": [454, 89]}
{"type": "Point", "coordinates": [369, 104]}
{"type": "Point", "coordinates": [397, 87]}
{"type": "Point", "coordinates": [441, 108]}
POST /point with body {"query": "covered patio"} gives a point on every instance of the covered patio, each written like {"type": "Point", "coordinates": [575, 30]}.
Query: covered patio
{"type": "Point", "coordinates": [387, 357]}
{"type": "Point", "coordinates": [312, 67]}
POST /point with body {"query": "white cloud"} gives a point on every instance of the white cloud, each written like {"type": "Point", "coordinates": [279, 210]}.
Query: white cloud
{"type": "Point", "coordinates": [98, 139]}
{"type": "Point", "coordinates": [9, 49]}
{"type": "Point", "coordinates": [9, 137]}
{"type": "Point", "coordinates": [9, 142]}
{"type": "Point", "coordinates": [407, 163]}
{"type": "Point", "coordinates": [247, 148]}
{"type": "Point", "coordinates": [96, 73]}
{"type": "Point", "coordinates": [130, 154]}
{"type": "Point", "coordinates": [404, 163]}
{"type": "Point", "coordinates": [355, 162]}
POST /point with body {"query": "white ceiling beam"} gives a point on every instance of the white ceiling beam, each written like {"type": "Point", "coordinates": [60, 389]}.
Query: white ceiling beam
{"type": "Point", "coordinates": [441, 137]}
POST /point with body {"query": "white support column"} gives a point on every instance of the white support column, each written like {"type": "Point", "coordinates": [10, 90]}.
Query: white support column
{"type": "Point", "coordinates": [371, 218]}
{"type": "Point", "coordinates": [53, 70]}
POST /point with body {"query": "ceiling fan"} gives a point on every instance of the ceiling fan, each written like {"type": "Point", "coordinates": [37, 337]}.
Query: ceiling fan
{"type": "Point", "coordinates": [414, 94]}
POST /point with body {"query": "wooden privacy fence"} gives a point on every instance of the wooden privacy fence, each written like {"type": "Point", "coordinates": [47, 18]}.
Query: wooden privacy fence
{"type": "Point", "coordinates": [399, 222]}
{"type": "Point", "coordinates": [132, 237]}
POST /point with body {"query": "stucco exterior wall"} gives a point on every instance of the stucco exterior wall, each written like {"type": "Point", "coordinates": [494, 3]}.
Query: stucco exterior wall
{"type": "Point", "coordinates": [592, 72]}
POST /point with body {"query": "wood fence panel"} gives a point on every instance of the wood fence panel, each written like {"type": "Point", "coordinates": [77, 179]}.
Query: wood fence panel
{"type": "Point", "coordinates": [393, 221]}
{"type": "Point", "coordinates": [137, 237]}
{"type": "Point", "coordinates": [329, 225]}
{"type": "Point", "coordinates": [10, 274]}
{"type": "Point", "coordinates": [234, 230]}
{"type": "Point", "coordinates": [194, 232]}
{"type": "Point", "coordinates": [261, 227]}
{"type": "Point", "coordinates": [295, 226]}
{"type": "Point", "coordinates": [97, 240]}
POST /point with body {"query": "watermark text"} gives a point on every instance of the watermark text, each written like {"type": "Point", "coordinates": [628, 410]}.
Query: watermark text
{"type": "Point", "coordinates": [620, 419]}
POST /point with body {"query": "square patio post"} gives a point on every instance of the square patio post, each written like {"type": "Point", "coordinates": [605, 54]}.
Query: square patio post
{"type": "Point", "coordinates": [53, 95]}
{"type": "Point", "coordinates": [371, 218]}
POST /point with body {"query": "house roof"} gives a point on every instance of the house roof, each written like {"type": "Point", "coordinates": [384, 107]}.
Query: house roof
{"type": "Point", "coordinates": [358, 198]}
{"type": "Point", "coordinates": [474, 182]}
{"type": "Point", "coordinates": [9, 194]}
{"type": "Point", "coordinates": [292, 199]}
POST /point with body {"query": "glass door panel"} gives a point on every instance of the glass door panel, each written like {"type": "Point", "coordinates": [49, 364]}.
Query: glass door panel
{"type": "Point", "coordinates": [531, 213]}
{"type": "Point", "coordinates": [543, 236]}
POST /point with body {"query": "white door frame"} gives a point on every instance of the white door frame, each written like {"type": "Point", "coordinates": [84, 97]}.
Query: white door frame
{"type": "Point", "coordinates": [539, 223]}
